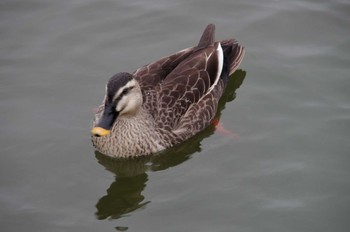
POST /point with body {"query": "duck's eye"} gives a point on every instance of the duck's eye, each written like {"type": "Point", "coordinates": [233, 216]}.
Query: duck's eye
{"type": "Point", "coordinates": [122, 94]}
{"type": "Point", "coordinates": [126, 90]}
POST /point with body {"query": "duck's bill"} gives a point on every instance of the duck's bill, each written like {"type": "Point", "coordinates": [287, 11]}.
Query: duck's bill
{"type": "Point", "coordinates": [99, 131]}
{"type": "Point", "coordinates": [104, 126]}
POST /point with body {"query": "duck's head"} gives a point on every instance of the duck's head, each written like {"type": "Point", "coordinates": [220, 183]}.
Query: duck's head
{"type": "Point", "coordinates": [123, 98]}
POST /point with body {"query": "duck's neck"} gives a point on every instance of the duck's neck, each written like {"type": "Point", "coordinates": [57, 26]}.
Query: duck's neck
{"type": "Point", "coordinates": [131, 136]}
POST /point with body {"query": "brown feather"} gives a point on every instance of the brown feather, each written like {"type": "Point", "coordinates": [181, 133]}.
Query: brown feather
{"type": "Point", "coordinates": [180, 96]}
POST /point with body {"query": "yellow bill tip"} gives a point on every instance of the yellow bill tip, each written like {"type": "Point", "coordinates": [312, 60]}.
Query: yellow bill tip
{"type": "Point", "coordinates": [99, 131]}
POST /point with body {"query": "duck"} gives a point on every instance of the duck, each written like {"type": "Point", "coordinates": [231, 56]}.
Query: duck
{"type": "Point", "coordinates": [164, 103]}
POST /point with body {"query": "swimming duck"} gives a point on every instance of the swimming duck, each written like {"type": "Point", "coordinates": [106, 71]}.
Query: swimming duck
{"type": "Point", "coordinates": [165, 102]}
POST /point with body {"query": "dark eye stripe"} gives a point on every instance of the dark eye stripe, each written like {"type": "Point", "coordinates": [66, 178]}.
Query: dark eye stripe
{"type": "Point", "coordinates": [124, 92]}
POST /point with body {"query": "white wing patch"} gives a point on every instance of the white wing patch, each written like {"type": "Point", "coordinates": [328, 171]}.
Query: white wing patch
{"type": "Point", "coordinates": [220, 55]}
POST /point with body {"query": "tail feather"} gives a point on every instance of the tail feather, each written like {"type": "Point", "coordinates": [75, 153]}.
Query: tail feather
{"type": "Point", "coordinates": [208, 37]}
{"type": "Point", "coordinates": [233, 53]}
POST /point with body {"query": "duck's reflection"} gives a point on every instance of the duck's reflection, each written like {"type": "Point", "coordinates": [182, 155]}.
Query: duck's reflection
{"type": "Point", "coordinates": [125, 193]}
{"type": "Point", "coordinates": [123, 196]}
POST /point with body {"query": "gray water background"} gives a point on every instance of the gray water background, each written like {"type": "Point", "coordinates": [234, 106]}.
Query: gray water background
{"type": "Point", "coordinates": [286, 169]}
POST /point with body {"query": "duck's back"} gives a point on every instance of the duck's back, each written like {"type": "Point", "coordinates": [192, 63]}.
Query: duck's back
{"type": "Point", "coordinates": [182, 91]}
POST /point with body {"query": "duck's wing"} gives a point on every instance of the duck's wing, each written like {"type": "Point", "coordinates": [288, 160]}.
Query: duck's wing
{"type": "Point", "coordinates": [193, 87]}
{"type": "Point", "coordinates": [150, 75]}
{"type": "Point", "coordinates": [200, 114]}
{"type": "Point", "coordinates": [189, 95]}
{"type": "Point", "coordinates": [182, 91]}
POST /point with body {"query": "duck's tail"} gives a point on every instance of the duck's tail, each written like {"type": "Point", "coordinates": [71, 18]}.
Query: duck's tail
{"type": "Point", "coordinates": [233, 54]}
{"type": "Point", "coordinates": [208, 37]}
{"type": "Point", "coordinates": [233, 51]}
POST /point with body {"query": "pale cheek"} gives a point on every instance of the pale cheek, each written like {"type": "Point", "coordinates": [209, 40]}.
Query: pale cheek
{"type": "Point", "coordinates": [131, 106]}
{"type": "Point", "coordinates": [121, 104]}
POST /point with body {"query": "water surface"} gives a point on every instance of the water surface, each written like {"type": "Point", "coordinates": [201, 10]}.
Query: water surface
{"type": "Point", "coordinates": [286, 168]}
